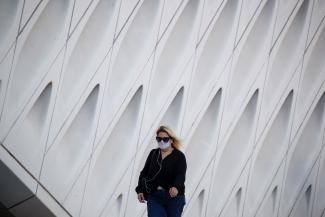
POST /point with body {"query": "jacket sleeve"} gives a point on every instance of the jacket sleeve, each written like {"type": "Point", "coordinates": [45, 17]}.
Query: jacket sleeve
{"type": "Point", "coordinates": [181, 167]}
{"type": "Point", "coordinates": [144, 173]}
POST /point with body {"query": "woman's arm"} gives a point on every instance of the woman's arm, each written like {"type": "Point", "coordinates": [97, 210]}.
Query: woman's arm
{"type": "Point", "coordinates": [181, 167]}
{"type": "Point", "coordinates": [144, 173]}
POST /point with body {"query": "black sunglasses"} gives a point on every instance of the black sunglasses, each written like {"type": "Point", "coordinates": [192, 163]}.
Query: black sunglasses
{"type": "Point", "coordinates": [165, 139]}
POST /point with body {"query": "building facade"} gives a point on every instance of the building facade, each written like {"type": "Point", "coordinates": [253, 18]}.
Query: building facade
{"type": "Point", "coordinates": [84, 84]}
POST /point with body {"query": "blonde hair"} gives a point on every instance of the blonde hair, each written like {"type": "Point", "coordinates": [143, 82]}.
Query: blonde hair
{"type": "Point", "coordinates": [176, 141]}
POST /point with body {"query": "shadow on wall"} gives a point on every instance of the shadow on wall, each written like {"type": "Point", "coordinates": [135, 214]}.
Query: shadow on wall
{"type": "Point", "coordinates": [18, 199]}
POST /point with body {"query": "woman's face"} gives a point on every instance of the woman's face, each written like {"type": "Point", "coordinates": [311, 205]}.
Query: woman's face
{"type": "Point", "coordinates": [163, 140]}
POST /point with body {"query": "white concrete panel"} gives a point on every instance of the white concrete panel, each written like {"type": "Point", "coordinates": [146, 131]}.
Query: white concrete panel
{"type": "Point", "coordinates": [286, 54]}
{"type": "Point", "coordinates": [313, 75]}
{"type": "Point", "coordinates": [36, 49]}
{"type": "Point", "coordinates": [5, 66]}
{"type": "Point", "coordinates": [317, 18]}
{"type": "Point", "coordinates": [211, 9]}
{"type": "Point", "coordinates": [104, 175]}
{"type": "Point", "coordinates": [197, 207]}
{"type": "Point", "coordinates": [232, 116]}
{"type": "Point", "coordinates": [201, 145]}
{"type": "Point", "coordinates": [10, 13]}
{"type": "Point", "coordinates": [172, 10]}
{"type": "Point", "coordinates": [304, 202]}
{"type": "Point", "coordinates": [238, 145]}
{"type": "Point", "coordinates": [265, 165]}
{"type": "Point", "coordinates": [112, 205]}
{"type": "Point", "coordinates": [302, 154]}
{"type": "Point", "coordinates": [36, 118]}
{"type": "Point", "coordinates": [174, 52]}
{"type": "Point", "coordinates": [115, 208]}
{"type": "Point", "coordinates": [253, 51]}
{"type": "Point", "coordinates": [87, 49]}
{"type": "Point", "coordinates": [269, 205]}
{"type": "Point", "coordinates": [196, 202]}
{"type": "Point", "coordinates": [207, 91]}
{"type": "Point", "coordinates": [132, 57]}
{"type": "Point", "coordinates": [73, 201]}
{"type": "Point", "coordinates": [30, 6]}
{"type": "Point", "coordinates": [127, 11]}
{"type": "Point", "coordinates": [79, 10]}
{"type": "Point", "coordinates": [29, 147]}
{"type": "Point", "coordinates": [71, 148]}
{"type": "Point", "coordinates": [117, 204]}
{"type": "Point", "coordinates": [213, 53]}
{"type": "Point", "coordinates": [234, 207]}
{"type": "Point", "coordinates": [269, 208]}
{"type": "Point", "coordinates": [250, 57]}
{"type": "Point", "coordinates": [249, 10]}
{"type": "Point", "coordinates": [286, 10]}
{"type": "Point", "coordinates": [235, 200]}
{"type": "Point", "coordinates": [269, 109]}
{"type": "Point", "coordinates": [155, 112]}
{"type": "Point", "coordinates": [319, 204]}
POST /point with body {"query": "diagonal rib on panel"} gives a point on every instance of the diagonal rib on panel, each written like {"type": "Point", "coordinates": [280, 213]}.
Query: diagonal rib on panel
{"type": "Point", "coordinates": [85, 83]}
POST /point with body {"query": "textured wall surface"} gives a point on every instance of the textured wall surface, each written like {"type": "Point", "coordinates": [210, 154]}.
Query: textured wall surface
{"type": "Point", "coordinates": [85, 83]}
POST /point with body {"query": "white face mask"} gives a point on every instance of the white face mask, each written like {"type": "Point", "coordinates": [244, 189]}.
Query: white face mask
{"type": "Point", "coordinates": [164, 145]}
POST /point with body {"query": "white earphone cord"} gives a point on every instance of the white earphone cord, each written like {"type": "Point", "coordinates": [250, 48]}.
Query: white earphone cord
{"type": "Point", "coordinates": [145, 180]}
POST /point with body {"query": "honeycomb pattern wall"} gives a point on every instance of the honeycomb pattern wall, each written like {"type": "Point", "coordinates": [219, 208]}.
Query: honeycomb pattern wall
{"type": "Point", "coordinates": [85, 83]}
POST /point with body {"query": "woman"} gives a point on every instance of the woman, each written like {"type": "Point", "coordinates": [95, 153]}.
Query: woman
{"type": "Point", "coordinates": [161, 182]}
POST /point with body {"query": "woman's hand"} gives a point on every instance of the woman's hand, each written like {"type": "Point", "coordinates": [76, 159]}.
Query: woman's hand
{"type": "Point", "coordinates": [173, 192]}
{"type": "Point", "coordinates": [141, 198]}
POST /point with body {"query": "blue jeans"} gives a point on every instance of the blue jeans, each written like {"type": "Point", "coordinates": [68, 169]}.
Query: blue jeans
{"type": "Point", "coordinates": [161, 204]}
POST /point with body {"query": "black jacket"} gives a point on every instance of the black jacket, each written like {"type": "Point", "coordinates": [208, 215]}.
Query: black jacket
{"type": "Point", "coordinates": [166, 173]}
